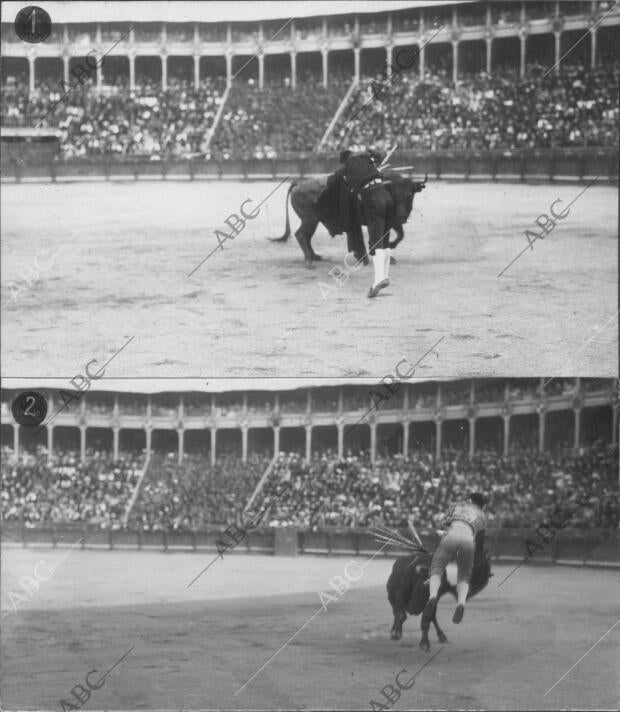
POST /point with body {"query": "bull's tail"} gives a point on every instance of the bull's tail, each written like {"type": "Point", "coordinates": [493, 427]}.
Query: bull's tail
{"type": "Point", "coordinates": [287, 230]}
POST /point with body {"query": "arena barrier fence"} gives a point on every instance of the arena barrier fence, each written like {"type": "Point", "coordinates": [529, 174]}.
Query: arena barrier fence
{"type": "Point", "coordinates": [520, 166]}
{"type": "Point", "coordinates": [583, 547]}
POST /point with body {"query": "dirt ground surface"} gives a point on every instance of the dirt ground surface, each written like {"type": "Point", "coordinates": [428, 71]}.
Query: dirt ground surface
{"type": "Point", "coordinates": [195, 648]}
{"type": "Point", "coordinates": [253, 309]}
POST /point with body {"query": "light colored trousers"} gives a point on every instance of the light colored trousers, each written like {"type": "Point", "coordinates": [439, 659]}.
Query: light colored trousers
{"type": "Point", "coordinates": [457, 543]}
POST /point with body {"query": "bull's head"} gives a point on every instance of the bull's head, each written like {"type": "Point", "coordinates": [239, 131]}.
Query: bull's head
{"type": "Point", "coordinates": [418, 187]}
{"type": "Point", "coordinates": [404, 207]}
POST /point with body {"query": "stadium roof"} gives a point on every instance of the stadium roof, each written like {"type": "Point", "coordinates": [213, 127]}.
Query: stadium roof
{"type": "Point", "coordinates": [209, 11]}
{"type": "Point", "coordinates": [205, 385]}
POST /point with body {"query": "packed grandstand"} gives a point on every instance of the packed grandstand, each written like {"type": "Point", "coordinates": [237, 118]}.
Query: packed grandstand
{"type": "Point", "coordinates": [350, 485]}
{"type": "Point", "coordinates": [452, 99]}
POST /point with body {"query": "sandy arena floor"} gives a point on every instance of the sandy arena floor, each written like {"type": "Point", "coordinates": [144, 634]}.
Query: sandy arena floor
{"type": "Point", "coordinates": [194, 648]}
{"type": "Point", "coordinates": [255, 310]}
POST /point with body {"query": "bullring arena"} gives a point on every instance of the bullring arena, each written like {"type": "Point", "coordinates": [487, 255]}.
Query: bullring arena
{"type": "Point", "coordinates": [193, 648]}
{"type": "Point", "coordinates": [254, 310]}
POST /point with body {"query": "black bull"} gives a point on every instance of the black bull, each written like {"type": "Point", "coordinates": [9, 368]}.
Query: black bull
{"type": "Point", "coordinates": [303, 192]}
{"type": "Point", "coordinates": [408, 589]}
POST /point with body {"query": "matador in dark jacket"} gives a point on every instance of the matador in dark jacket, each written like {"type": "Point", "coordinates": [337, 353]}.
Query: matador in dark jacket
{"type": "Point", "coordinates": [362, 176]}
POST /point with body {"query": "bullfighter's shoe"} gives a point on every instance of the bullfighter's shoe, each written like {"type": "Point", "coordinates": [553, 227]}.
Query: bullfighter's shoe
{"type": "Point", "coordinates": [373, 291]}
{"type": "Point", "coordinates": [429, 608]}
{"type": "Point", "coordinates": [458, 613]}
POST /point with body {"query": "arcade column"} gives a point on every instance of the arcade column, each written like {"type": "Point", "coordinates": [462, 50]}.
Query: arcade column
{"type": "Point", "coordinates": [324, 54]}
{"type": "Point", "coordinates": [388, 60]}
{"type": "Point", "coordinates": [181, 439]}
{"type": "Point", "coordinates": [213, 445]}
{"type": "Point", "coordinates": [115, 441]}
{"type": "Point", "coordinates": [164, 71]}
{"type": "Point", "coordinates": [373, 441]}
{"type": "Point", "coordinates": [577, 405]}
{"type": "Point", "coordinates": [65, 69]}
{"type": "Point", "coordinates": [308, 442]}
{"type": "Point", "coordinates": [439, 415]}
{"type": "Point", "coordinates": [132, 71]}
{"type": "Point", "coordinates": [557, 36]}
{"type": "Point", "coordinates": [196, 71]}
{"type": "Point", "coordinates": [148, 429]}
{"type": "Point", "coordinates": [31, 73]}
{"type": "Point", "coordinates": [489, 54]}
{"type": "Point", "coordinates": [276, 439]}
{"type": "Point", "coordinates": [229, 58]}
{"type": "Point", "coordinates": [542, 421]}
{"type": "Point", "coordinates": [455, 61]}
{"type": "Point", "coordinates": [405, 436]}
{"type": "Point", "coordinates": [261, 70]}
{"type": "Point", "coordinates": [244, 443]}
{"type": "Point", "coordinates": [422, 58]}
{"type": "Point", "coordinates": [293, 69]}
{"type": "Point", "coordinates": [50, 442]}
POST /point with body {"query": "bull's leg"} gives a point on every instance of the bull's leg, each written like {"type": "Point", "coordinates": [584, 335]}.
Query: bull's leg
{"type": "Point", "coordinates": [440, 634]}
{"type": "Point", "coordinates": [355, 244]}
{"type": "Point", "coordinates": [304, 235]}
{"type": "Point", "coordinates": [428, 615]}
{"type": "Point", "coordinates": [424, 626]}
{"type": "Point", "coordinates": [400, 233]}
{"type": "Point", "coordinates": [399, 618]}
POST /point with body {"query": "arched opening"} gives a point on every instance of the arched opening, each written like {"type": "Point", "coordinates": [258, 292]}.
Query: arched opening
{"type": "Point", "coordinates": [596, 425]}
{"type": "Point", "coordinates": [524, 432]}
{"type": "Point", "coordinates": [490, 434]}
{"type": "Point", "coordinates": [99, 440]}
{"type": "Point", "coordinates": [197, 442]}
{"type": "Point", "coordinates": [260, 441]}
{"type": "Point", "coordinates": [148, 72]}
{"type": "Point", "coordinates": [180, 71]}
{"type": "Point", "coordinates": [228, 442]}
{"type": "Point", "coordinates": [309, 66]}
{"type": "Point", "coordinates": [164, 442]}
{"type": "Point", "coordinates": [389, 439]}
{"type": "Point", "coordinates": [325, 438]}
{"type": "Point", "coordinates": [472, 57]}
{"type": "Point", "coordinates": [422, 437]}
{"type": "Point", "coordinates": [506, 54]}
{"type": "Point", "coordinates": [293, 440]}
{"type": "Point", "coordinates": [540, 50]}
{"type": "Point", "coordinates": [455, 435]}
{"type": "Point", "coordinates": [132, 440]}
{"type": "Point", "coordinates": [560, 430]}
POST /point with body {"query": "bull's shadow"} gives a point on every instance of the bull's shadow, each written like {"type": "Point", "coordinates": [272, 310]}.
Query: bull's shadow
{"type": "Point", "coordinates": [408, 588]}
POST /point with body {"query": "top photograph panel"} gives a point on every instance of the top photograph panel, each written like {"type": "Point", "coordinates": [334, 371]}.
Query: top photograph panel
{"type": "Point", "coordinates": [293, 189]}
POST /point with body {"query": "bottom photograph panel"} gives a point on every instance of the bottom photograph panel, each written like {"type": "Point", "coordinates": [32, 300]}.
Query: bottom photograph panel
{"type": "Point", "coordinates": [310, 544]}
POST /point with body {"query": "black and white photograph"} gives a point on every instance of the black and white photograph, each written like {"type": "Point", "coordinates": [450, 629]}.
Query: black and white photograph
{"type": "Point", "coordinates": [251, 198]}
{"type": "Point", "coordinates": [309, 355]}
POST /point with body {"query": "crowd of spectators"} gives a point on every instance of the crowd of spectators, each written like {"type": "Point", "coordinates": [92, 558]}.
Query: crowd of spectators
{"type": "Point", "coordinates": [524, 487]}
{"type": "Point", "coordinates": [193, 494]}
{"type": "Point", "coordinates": [143, 122]}
{"type": "Point", "coordinates": [277, 120]}
{"type": "Point", "coordinates": [36, 490]}
{"type": "Point", "coordinates": [576, 108]}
